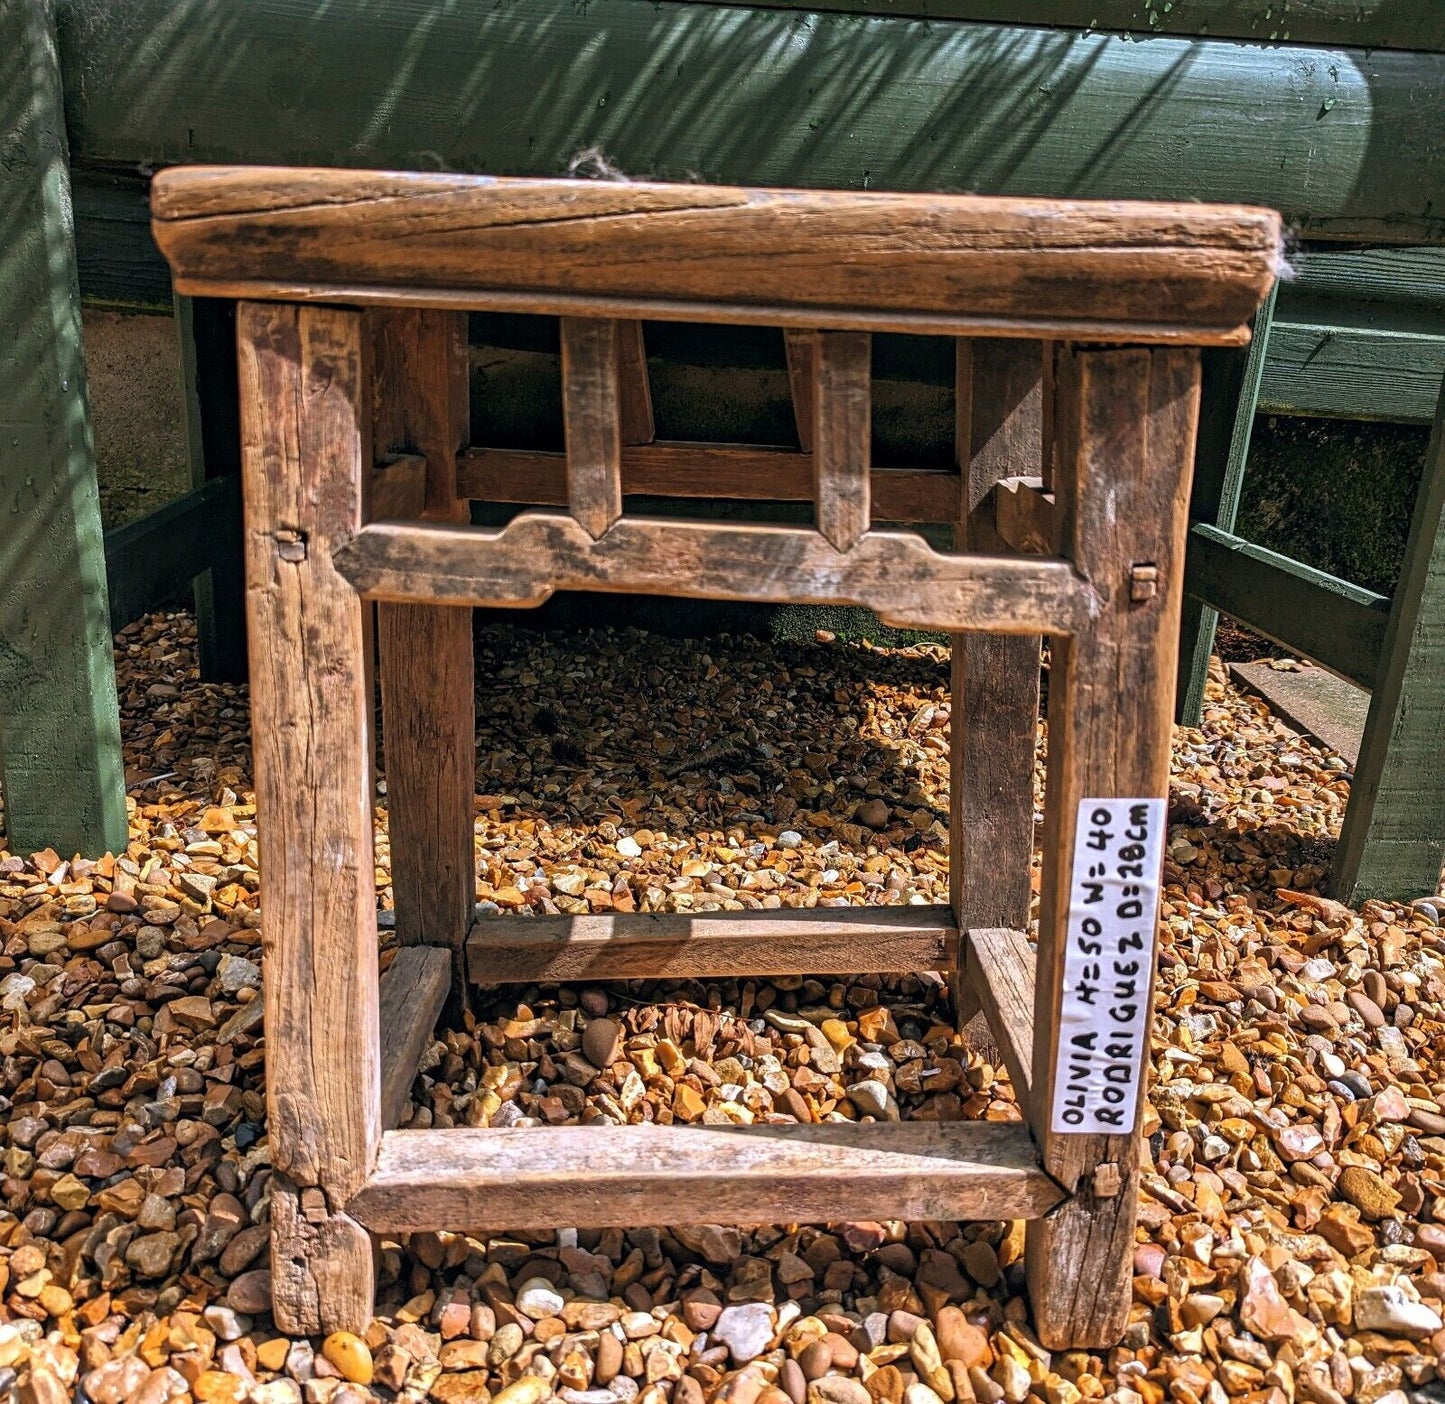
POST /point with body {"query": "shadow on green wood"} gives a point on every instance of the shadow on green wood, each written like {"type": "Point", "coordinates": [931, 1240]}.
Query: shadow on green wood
{"type": "Point", "coordinates": [59, 720]}
{"type": "Point", "coordinates": [1394, 829]}
{"type": "Point", "coordinates": [1348, 143]}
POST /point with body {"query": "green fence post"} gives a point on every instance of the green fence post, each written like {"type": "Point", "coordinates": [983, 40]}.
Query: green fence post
{"type": "Point", "coordinates": [59, 722]}
{"type": "Point", "coordinates": [1393, 835]}
{"type": "Point", "coordinates": [1232, 378]}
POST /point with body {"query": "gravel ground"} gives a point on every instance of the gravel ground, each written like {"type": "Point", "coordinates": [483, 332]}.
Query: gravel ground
{"type": "Point", "coordinates": [1291, 1240]}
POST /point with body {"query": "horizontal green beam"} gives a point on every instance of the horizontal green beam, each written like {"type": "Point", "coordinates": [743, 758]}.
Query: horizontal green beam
{"type": "Point", "coordinates": [1407, 24]}
{"type": "Point", "coordinates": [1349, 143]}
{"type": "Point", "coordinates": [1353, 372]}
{"type": "Point", "coordinates": [118, 262]}
{"type": "Point", "coordinates": [1365, 279]}
{"type": "Point", "coordinates": [1339, 625]}
{"type": "Point", "coordinates": [152, 561]}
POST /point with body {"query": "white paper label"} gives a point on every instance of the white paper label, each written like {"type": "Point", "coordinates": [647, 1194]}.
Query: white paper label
{"type": "Point", "coordinates": [1108, 963]}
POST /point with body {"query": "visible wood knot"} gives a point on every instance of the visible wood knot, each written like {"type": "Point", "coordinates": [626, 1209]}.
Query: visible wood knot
{"type": "Point", "coordinates": [1143, 582]}
{"type": "Point", "coordinates": [290, 545]}
{"type": "Point", "coordinates": [1108, 1180]}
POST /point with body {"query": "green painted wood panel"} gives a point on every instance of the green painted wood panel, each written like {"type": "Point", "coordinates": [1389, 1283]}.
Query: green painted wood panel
{"type": "Point", "coordinates": [1393, 836]}
{"type": "Point", "coordinates": [59, 721]}
{"type": "Point", "coordinates": [1365, 278]}
{"type": "Point", "coordinates": [1346, 372]}
{"type": "Point", "coordinates": [1228, 391]}
{"type": "Point", "coordinates": [1339, 625]}
{"type": "Point", "coordinates": [1412, 24]}
{"type": "Point", "coordinates": [1348, 143]}
{"type": "Point", "coordinates": [152, 561]}
{"type": "Point", "coordinates": [118, 262]}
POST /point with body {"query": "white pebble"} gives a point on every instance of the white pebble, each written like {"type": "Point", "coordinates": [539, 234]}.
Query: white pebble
{"type": "Point", "coordinates": [538, 1299]}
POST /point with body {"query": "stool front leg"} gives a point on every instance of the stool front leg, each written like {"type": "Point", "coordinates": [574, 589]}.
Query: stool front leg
{"type": "Point", "coordinates": [305, 442]}
{"type": "Point", "coordinates": [1124, 432]}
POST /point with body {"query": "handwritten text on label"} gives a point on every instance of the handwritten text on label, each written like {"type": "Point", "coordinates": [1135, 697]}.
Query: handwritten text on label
{"type": "Point", "coordinates": [1108, 963]}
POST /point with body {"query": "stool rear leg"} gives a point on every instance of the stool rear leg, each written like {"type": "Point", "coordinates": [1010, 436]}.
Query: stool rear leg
{"type": "Point", "coordinates": [305, 445]}
{"type": "Point", "coordinates": [995, 677]}
{"type": "Point", "coordinates": [425, 651]}
{"type": "Point", "coordinates": [1124, 434]}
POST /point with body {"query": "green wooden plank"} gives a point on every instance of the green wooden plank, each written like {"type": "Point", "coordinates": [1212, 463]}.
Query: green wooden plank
{"type": "Point", "coordinates": [59, 720]}
{"type": "Point", "coordinates": [151, 562]}
{"type": "Point", "coordinates": [1348, 143]}
{"type": "Point", "coordinates": [1338, 625]}
{"type": "Point", "coordinates": [117, 260]}
{"type": "Point", "coordinates": [1231, 377]}
{"type": "Point", "coordinates": [1393, 834]}
{"type": "Point", "coordinates": [1413, 24]}
{"type": "Point", "coordinates": [1349, 372]}
{"type": "Point", "coordinates": [1363, 279]}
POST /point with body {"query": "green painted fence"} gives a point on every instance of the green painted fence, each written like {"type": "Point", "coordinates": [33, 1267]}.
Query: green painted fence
{"type": "Point", "coordinates": [1347, 142]}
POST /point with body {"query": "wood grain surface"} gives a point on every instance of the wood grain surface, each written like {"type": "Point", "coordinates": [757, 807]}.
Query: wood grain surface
{"type": "Point", "coordinates": [895, 573]}
{"type": "Point", "coordinates": [413, 991]}
{"type": "Point", "coordinates": [1117, 269]}
{"type": "Point", "coordinates": [305, 452]}
{"type": "Point", "coordinates": [818, 940]}
{"type": "Point", "coordinates": [597, 1176]}
{"type": "Point", "coordinates": [677, 469]}
{"type": "Point", "coordinates": [1125, 423]}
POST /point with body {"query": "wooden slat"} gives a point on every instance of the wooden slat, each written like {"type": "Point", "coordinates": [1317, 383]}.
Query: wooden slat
{"type": "Point", "coordinates": [1126, 422]}
{"type": "Point", "coordinates": [1353, 372]}
{"type": "Point", "coordinates": [305, 448]}
{"type": "Point", "coordinates": [798, 348]}
{"type": "Point", "coordinates": [734, 471]}
{"type": "Point", "coordinates": [998, 966]}
{"type": "Point", "coordinates": [895, 573]}
{"type": "Point", "coordinates": [591, 406]}
{"type": "Point", "coordinates": [1109, 269]}
{"type": "Point", "coordinates": [1023, 515]}
{"type": "Point", "coordinates": [842, 436]}
{"type": "Point", "coordinates": [1376, 278]}
{"type": "Point", "coordinates": [634, 387]}
{"type": "Point", "coordinates": [709, 945]}
{"type": "Point", "coordinates": [598, 1176]}
{"type": "Point", "coordinates": [1339, 625]}
{"type": "Point", "coordinates": [1394, 829]}
{"type": "Point", "coordinates": [413, 991]}
{"type": "Point", "coordinates": [397, 488]}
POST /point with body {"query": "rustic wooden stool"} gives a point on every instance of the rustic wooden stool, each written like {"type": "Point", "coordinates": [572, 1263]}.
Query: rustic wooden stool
{"type": "Point", "coordinates": [353, 288]}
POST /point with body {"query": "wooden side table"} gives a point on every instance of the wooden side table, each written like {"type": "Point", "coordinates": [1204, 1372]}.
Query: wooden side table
{"type": "Point", "coordinates": [351, 337]}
